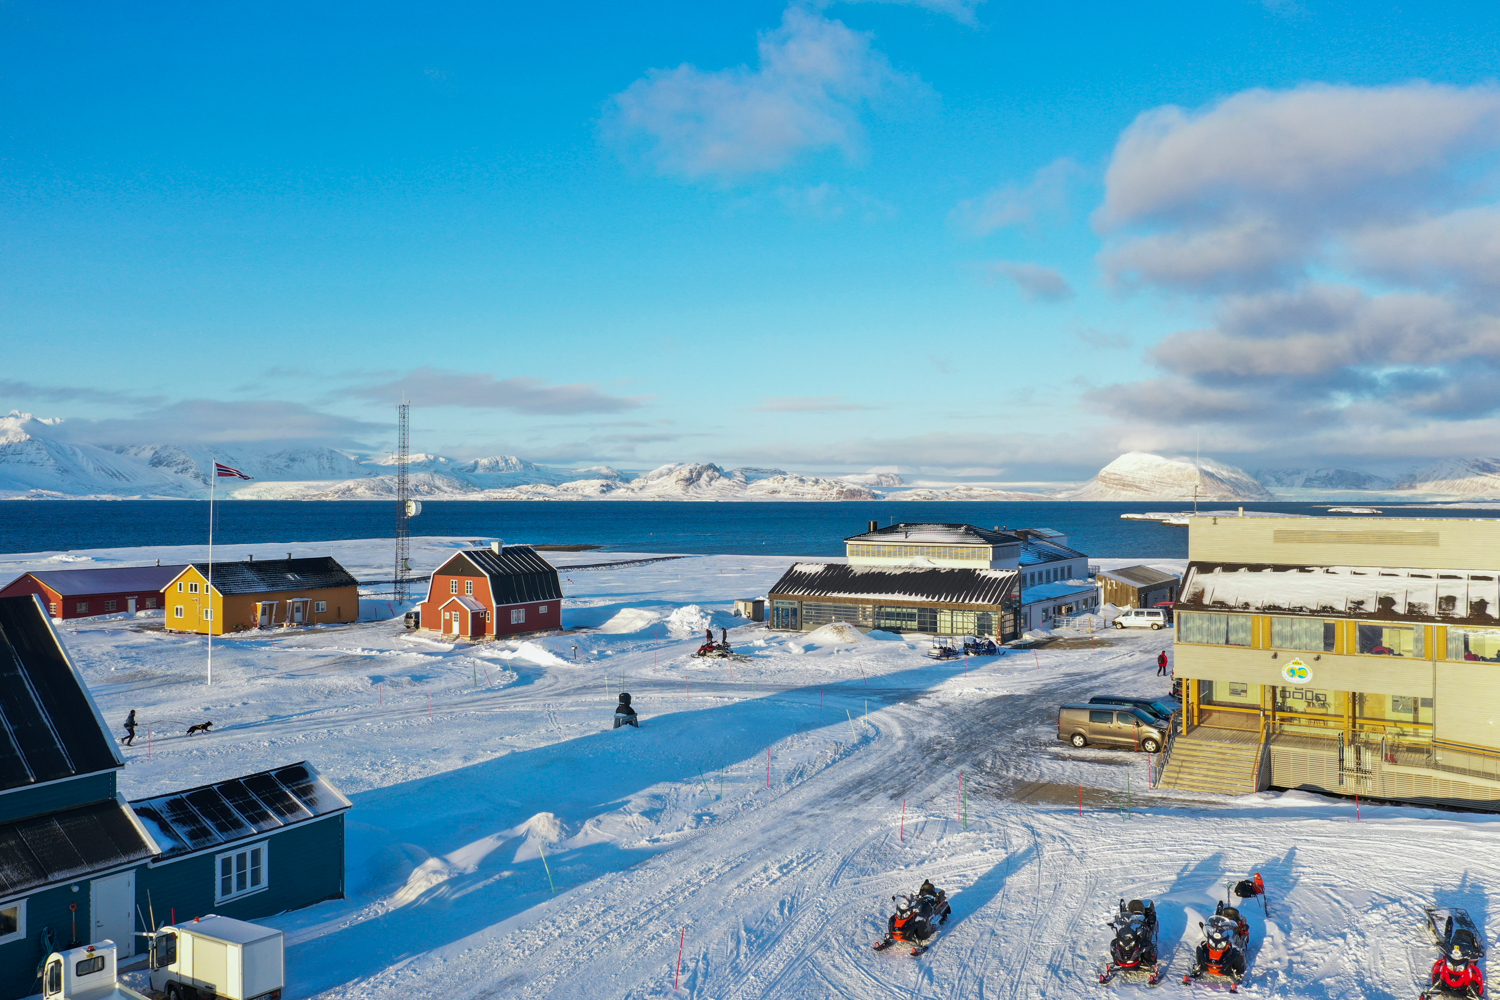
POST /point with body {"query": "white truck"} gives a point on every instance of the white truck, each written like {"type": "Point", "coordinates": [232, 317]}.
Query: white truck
{"type": "Point", "coordinates": [86, 973]}
{"type": "Point", "coordinates": [216, 957]}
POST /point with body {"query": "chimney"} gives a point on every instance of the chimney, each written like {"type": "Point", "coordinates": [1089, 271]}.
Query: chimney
{"type": "Point", "coordinates": [288, 557]}
{"type": "Point", "coordinates": [874, 525]}
{"type": "Point", "coordinates": [250, 558]}
{"type": "Point", "coordinates": [497, 546]}
{"type": "Point", "coordinates": [158, 562]}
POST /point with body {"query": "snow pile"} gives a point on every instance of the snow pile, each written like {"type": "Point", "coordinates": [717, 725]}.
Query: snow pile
{"type": "Point", "coordinates": [834, 633]}
{"type": "Point", "coordinates": [1139, 476]}
{"type": "Point", "coordinates": [691, 620]}
{"type": "Point", "coordinates": [629, 621]}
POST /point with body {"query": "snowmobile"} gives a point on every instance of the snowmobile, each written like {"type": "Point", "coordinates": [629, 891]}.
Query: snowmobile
{"type": "Point", "coordinates": [1133, 950]}
{"type": "Point", "coordinates": [942, 651]}
{"type": "Point", "coordinates": [980, 647]}
{"type": "Point", "coordinates": [711, 648]}
{"type": "Point", "coordinates": [1221, 954]}
{"type": "Point", "coordinates": [917, 919]}
{"type": "Point", "coordinates": [1456, 973]}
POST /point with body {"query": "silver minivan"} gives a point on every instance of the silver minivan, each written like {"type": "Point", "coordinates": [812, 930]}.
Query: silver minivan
{"type": "Point", "coordinates": [1110, 726]}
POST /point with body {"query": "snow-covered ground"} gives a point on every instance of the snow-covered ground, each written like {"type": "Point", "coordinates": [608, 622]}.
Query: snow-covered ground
{"type": "Point", "coordinates": [764, 813]}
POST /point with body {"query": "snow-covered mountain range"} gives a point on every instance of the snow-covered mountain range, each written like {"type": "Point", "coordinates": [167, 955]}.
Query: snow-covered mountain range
{"type": "Point", "coordinates": [39, 461]}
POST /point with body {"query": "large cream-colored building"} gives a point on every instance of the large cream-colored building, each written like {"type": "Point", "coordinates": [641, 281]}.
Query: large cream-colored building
{"type": "Point", "coordinates": [1348, 655]}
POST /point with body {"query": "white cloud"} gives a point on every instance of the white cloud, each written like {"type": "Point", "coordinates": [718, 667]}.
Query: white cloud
{"type": "Point", "coordinates": [1017, 205]}
{"type": "Point", "coordinates": [814, 78]}
{"type": "Point", "coordinates": [211, 421]}
{"type": "Point", "coordinates": [432, 387]}
{"type": "Point", "coordinates": [1037, 282]}
{"type": "Point", "coordinates": [1347, 259]}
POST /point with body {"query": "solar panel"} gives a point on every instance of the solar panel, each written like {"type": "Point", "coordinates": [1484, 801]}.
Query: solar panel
{"type": "Point", "coordinates": [188, 824]}
{"type": "Point", "coordinates": [49, 842]}
{"type": "Point", "coordinates": [209, 804]}
{"type": "Point", "coordinates": [280, 801]}
{"type": "Point", "coordinates": [166, 837]}
{"type": "Point", "coordinates": [247, 805]}
{"type": "Point", "coordinates": [40, 750]}
{"type": "Point", "coordinates": [18, 866]}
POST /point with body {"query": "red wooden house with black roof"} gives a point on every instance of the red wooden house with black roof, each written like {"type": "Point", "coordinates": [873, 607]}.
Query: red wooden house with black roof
{"type": "Point", "coordinates": [501, 590]}
{"type": "Point", "coordinates": [100, 590]}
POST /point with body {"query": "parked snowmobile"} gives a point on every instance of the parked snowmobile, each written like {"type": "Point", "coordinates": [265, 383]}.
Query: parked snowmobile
{"type": "Point", "coordinates": [1221, 954]}
{"type": "Point", "coordinates": [980, 647]}
{"type": "Point", "coordinates": [1456, 973]}
{"type": "Point", "coordinates": [711, 648]}
{"type": "Point", "coordinates": [917, 919]}
{"type": "Point", "coordinates": [1133, 950]}
{"type": "Point", "coordinates": [942, 650]}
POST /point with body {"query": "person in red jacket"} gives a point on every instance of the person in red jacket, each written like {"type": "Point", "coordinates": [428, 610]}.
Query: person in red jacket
{"type": "Point", "coordinates": [1161, 664]}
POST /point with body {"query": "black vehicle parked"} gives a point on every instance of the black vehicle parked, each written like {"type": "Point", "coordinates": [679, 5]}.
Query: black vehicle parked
{"type": "Point", "coordinates": [1159, 707]}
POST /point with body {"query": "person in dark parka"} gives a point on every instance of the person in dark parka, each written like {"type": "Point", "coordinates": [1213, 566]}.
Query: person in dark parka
{"type": "Point", "coordinates": [624, 714]}
{"type": "Point", "coordinates": [129, 729]}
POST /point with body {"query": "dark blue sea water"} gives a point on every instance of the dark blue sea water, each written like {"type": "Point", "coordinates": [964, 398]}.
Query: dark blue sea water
{"type": "Point", "coordinates": [804, 529]}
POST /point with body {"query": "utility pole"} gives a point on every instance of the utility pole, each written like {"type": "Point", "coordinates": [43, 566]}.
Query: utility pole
{"type": "Point", "coordinates": [403, 500]}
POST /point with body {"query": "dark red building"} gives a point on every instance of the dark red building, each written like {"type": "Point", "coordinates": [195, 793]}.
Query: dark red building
{"type": "Point", "coordinates": [501, 590]}
{"type": "Point", "coordinates": [83, 593]}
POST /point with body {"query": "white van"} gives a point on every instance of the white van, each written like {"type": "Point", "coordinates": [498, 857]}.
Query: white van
{"type": "Point", "coordinates": [1152, 618]}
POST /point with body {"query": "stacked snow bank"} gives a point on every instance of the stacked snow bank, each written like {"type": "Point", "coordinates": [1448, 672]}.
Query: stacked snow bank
{"type": "Point", "coordinates": [690, 620]}
{"type": "Point", "coordinates": [835, 632]}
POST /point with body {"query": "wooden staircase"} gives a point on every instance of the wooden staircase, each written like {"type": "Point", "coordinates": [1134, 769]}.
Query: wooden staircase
{"type": "Point", "coordinates": [1223, 761]}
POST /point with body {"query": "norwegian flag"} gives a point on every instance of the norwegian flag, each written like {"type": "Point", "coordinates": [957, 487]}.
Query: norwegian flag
{"type": "Point", "coordinates": [225, 472]}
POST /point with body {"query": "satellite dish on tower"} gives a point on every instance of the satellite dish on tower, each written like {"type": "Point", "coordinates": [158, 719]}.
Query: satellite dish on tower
{"type": "Point", "coordinates": [413, 508]}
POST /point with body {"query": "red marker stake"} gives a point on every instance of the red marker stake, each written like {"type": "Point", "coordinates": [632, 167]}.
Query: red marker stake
{"type": "Point", "coordinates": [862, 674]}
{"type": "Point", "coordinates": [1356, 808]}
{"type": "Point", "coordinates": [1038, 659]}
{"type": "Point", "coordinates": [680, 942]}
{"type": "Point", "coordinates": [903, 821]}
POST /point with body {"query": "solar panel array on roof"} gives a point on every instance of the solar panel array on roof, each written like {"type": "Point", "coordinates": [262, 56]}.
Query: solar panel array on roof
{"type": "Point", "coordinates": [68, 844]}
{"type": "Point", "coordinates": [49, 727]}
{"type": "Point", "coordinates": [269, 576]}
{"type": "Point", "coordinates": [237, 809]}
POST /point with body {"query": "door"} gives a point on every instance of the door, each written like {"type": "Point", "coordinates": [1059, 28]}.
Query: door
{"type": "Point", "coordinates": [130, 604]}
{"type": "Point", "coordinates": [112, 908]}
{"type": "Point", "coordinates": [297, 608]}
{"type": "Point", "coordinates": [1101, 727]}
{"type": "Point", "coordinates": [267, 613]}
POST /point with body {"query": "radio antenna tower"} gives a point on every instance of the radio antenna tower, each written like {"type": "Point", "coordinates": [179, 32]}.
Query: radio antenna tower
{"type": "Point", "coordinates": [403, 501]}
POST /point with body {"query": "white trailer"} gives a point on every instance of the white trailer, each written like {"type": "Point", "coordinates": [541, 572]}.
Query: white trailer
{"type": "Point", "coordinates": [86, 973]}
{"type": "Point", "coordinates": [217, 957]}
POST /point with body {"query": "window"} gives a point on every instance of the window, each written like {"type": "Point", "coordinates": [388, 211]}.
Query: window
{"type": "Point", "coordinates": [192, 588]}
{"type": "Point", "coordinates": [1306, 701]}
{"type": "Point", "coordinates": [319, 607]}
{"type": "Point", "coordinates": [164, 951]}
{"type": "Point", "coordinates": [1313, 634]}
{"type": "Point", "coordinates": [179, 588]}
{"type": "Point", "coordinates": [12, 921]}
{"type": "Point", "coordinates": [517, 616]}
{"type": "Point", "coordinates": [1394, 708]}
{"type": "Point", "coordinates": [452, 586]}
{"type": "Point", "coordinates": [1389, 640]}
{"type": "Point", "coordinates": [150, 602]}
{"type": "Point", "coordinates": [1238, 693]}
{"type": "Point", "coordinates": [1473, 644]}
{"type": "Point", "coordinates": [784, 615]}
{"type": "Point", "coordinates": [177, 611]}
{"type": "Point", "coordinates": [52, 609]}
{"type": "Point", "coordinates": [469, 587]}
{"type": "Point", "coordinates": [1214, 630]}
{"type": "Point", "coordinates": [241, 872]}
{"type": "Point", "coordinates": [208, 614]}
{"type": "Point", "coordinates": [542, 610]}
{"type": "Point", "coordinates": [82, 608]}
{"type": "Point", "coordinates": [89, 966]}
{"type": "Point", "coordinates": [109, 606]}
{"type": "Point", "coordinates": [1102, 718]}
{"type": "Point", "coordinates": [54, 979]}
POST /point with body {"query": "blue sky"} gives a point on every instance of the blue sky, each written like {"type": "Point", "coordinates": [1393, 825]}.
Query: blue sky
{"type": "Point", "coordinates": [994, 240]}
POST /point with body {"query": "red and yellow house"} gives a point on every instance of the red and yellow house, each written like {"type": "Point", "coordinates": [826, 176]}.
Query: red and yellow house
{"type": "Point", "coordinates": [501, 590]}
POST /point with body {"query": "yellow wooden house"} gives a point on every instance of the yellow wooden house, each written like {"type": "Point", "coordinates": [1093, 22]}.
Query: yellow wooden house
{"type": "Point", "coordinates": [260, 594]}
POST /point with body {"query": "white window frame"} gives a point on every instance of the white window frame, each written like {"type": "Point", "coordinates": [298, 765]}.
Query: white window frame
{"type": "Point", "coordinates": [542, 610]}
{"type": "Point", "coordinates": [110, 606]}
{"type": "Point", "coordinates": [81, 607]}
{"type": "Point", "coordinates": [265, 871]}
{"type": "Point", "coordinates": [453, 586]}
{"type": "Point", "coordinates": [320, 607]}
{"type": "Point", "coordinates": [52, 609]}
{"type": "Point", "coordinates": [518, 616]}
{"type": "Point", "coordinates": [179, 586]}
{"type": "Point", "coordinates": [20, 931]}
{"type": "Point", "coordinates": [208, 614]}
{"type": "Point", "coordinates": [192, 588]}
{"type": "Point", "coordinates": [468, 588]}
{"type": "Point", "coordinates": [178, 611]}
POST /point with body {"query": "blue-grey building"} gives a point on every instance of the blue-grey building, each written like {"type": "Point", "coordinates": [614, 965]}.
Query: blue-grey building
{"type": "Point", "coordinates": [78, 864]}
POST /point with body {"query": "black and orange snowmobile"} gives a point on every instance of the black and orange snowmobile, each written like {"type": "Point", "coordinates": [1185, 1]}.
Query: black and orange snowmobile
{"type": "Point", "coordinates": [1221, 954]}
{"type": "Point", "coordinates": [917, 919]}
{"type": "Point", "coordinates": [1133, 950]}
{"type": "Point", "coordinates": [1456, 973]}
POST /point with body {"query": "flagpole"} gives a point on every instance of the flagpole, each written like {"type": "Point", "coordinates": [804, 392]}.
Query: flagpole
{"type": "Point", "coordinates": [213, 477]}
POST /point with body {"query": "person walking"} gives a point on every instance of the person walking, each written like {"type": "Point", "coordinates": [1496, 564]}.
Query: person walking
{"type": "Point", "coordinates": [129, 729]}
{"type": "Point", "coordinates": [1161, 665]}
